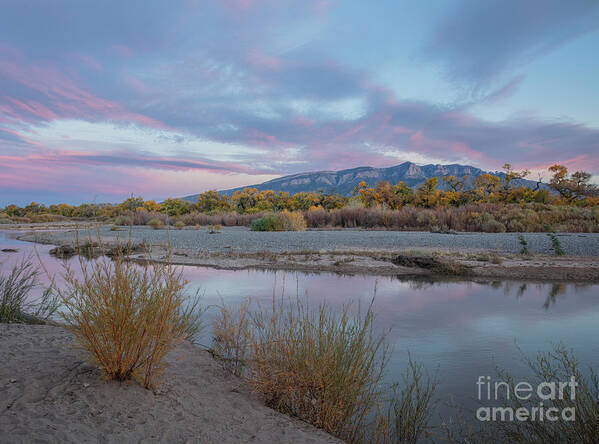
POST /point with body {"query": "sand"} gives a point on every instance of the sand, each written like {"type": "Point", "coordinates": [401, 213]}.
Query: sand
{"type": "Point", "coordinates": [48, 393]}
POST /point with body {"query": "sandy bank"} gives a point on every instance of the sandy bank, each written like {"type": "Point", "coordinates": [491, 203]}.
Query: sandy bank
{"type": "Point", "coordinates": [235, 250]}
{"type": "Point", "coordinates": [49, 394]}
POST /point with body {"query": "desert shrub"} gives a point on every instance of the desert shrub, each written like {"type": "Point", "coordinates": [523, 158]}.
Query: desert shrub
{"type": "Point", "coordinates": [127, 317]}
{"type": "Point", "coordinates": [143, 216]}
{"type": "Point", "coordinates": [292, 221]}
{"type": "Point", "coordinates": [214, 229]}
{"type": "Point", "coordinates": [325, 368]}
{"type": "Point", "coordinates": [270, 222]}
{"type": "Point", "coordinates": [488, 224]}
{"type": "Point", "coordinates": [426, 219]}
{"type": "Point", "coordinates": [179, 225]}
{"type": "Point", "coordinates": [123, 220]}
{"type": "Point", "coordinates": [515, 225]}
{"type": "Point", "coordinates": [46, 217]}
{"type": "Point", "coordinates": [316, 217]}
{"type": "Point", "coordinates": [155, 223]}
{"type": "Point", "coordinates": [313, 364]}
{"type": "Point", "coordinates": [16, 304]}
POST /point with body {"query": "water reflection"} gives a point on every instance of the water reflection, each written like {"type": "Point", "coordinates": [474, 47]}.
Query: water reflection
{"type": "Point", "coordinates": [465, 329]}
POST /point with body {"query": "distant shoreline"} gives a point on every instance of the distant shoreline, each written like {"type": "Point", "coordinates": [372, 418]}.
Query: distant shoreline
{"type": "Point", "coordinates": [354, 252]}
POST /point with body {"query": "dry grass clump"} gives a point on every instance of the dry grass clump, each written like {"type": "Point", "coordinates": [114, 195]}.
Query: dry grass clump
{"type": "Point", "coordinates": [214, 229]}
{"type": "Point", "coordinates": [321, 367]}
{"type": "Point", "coordinates": [283, 221]}
{"type": "Point", "coordinates": [292, 221]}
{"type": "Point", "coordinates": [325, 368]}
{"type": "Point", "coordinates": [128, 317]}
{"type": "Point", "coordinates": [16, 304]}
{"type": "Point", "coordinates": [231, 331]}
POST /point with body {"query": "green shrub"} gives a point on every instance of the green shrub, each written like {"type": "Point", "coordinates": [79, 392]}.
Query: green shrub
{"type": "Point", "coordinates": [524, 244]}
{"type": "Point", "coordinates": [123, 220]}
{"type": "Point", "coordinates": [269, 222]}
{"type": "Point", "coordinates": [283, 221]}
{"type": "Point", "coordinates": [155, 223]}
{"type": "Point", "coordinates": [556, 245]}
{"type": "Point", "coordinates": [179, 225]}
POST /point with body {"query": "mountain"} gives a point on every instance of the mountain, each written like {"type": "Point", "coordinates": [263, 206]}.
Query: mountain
{"type": "Point", "coordinates": [345, 181]}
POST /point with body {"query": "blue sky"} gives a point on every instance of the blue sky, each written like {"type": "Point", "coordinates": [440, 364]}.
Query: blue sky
{"type": "Point", "coordinates": [102, 99]}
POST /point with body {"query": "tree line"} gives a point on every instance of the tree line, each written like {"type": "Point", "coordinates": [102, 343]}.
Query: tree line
{"type": "Point", "coordinates": [562, 189]}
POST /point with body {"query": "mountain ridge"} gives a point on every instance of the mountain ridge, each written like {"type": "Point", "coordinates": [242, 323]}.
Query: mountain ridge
{"type": "Point", "coordinates": [344, 181]}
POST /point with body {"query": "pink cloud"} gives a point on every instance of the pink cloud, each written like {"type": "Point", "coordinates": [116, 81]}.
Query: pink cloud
{"type": "Point", "coordinates": [260, 60]}
{"type": "Point", "coordinates": [59, 96]}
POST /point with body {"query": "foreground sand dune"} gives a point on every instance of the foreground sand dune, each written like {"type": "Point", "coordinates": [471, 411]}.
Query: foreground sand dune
{"type": "Point", "coordinates": [49, 394]}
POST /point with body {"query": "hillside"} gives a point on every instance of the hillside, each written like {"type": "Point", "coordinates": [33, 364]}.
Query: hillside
{"type": "Point", "coordinates": [344, 181]}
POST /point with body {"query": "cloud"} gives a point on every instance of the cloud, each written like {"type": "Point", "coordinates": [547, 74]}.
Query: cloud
{"type": "Point", "coordinates": [213, 92]}
{"type": "Point", "coordinates": [35, 92]}
{"type": "Point", "coordinates": [478, 41]}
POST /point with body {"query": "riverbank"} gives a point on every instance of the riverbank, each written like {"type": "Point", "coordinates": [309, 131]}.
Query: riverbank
{"type": "Point", "coordinates": [48, 393]}
{"type": "Point", "coordinates": [483, 255]}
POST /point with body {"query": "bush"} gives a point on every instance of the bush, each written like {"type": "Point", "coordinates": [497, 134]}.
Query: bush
{"type": "Point", "coordinates": [284, 221]}
{"type": "Point", "coordinates": [270, 222]}
{"type": "Point", "coordinates": [292, 221]}
{"type": "Point", "coordinates": [322, 368]}
{"type": "Point", "coordinates": [179, 225]}
{"type": "Point", "coordinates": [15, 302]}
{"type": "Point", "coordinates": [127, 317]}
{"type": "Point", "coordinates": [155, 223]}
{"type": "Point", "coordinates": [325, 368]}
{"type": "Point", "coordinates": [214, 229]}
{"type": "Point", "coordinates": [143, 216]}
{"type": "Point", "coordinates": [46, 217]}
{"type": "Point", "coordinates": [123, 220]}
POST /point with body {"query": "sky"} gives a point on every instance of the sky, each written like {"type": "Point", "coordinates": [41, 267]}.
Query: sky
{"type": "Point", "coordinates": [101, 100]}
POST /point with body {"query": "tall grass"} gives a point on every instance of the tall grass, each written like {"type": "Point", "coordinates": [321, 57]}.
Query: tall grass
{"type": "Point", "coordinates": [557, 365]}
{"type": "Point", "coordinates": [407, 415]}
{"type": "Point", "coordinates": [16, 303]}
{"type": "Point", "coordinates": [323, 367]}
{"type": "Point", "coordinates": [128, 317]}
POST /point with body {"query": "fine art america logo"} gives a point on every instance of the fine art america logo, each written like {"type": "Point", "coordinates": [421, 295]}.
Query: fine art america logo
{"type": "Point", "coordinates": [533, 398]}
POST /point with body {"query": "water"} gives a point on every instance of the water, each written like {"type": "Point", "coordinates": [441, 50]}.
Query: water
{"type": "Point", "coordinates": [461, 329]}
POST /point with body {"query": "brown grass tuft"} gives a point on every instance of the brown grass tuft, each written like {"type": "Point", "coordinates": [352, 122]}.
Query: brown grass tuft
{"type": "Point", "coordinates": [322, 367]}
{"type": "Point", "coordinates": [128, 317]}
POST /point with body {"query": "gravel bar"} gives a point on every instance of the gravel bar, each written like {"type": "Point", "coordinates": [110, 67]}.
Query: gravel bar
{"type": "Point", "coordinates": [243, 240]}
